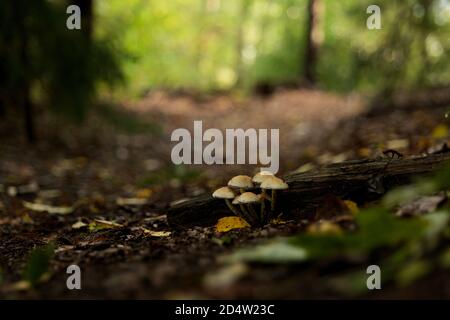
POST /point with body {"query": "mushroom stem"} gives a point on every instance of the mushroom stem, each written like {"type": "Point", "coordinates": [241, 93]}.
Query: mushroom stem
{"type": "Point", "coordinates": [274, 197]}
{"type": "Point", "coordinates": [232, 208]}
{"type": "Point", "coordinates": [263, 203]}
{"type": "Point", "coordinates": [252, 211]}
{"type": "Point", "coordinates": [242, 190]}
{"type": "Point", "coordinates": [246, 215]}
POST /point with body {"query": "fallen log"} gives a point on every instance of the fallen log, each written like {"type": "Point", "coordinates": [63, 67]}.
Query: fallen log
{"type": "Point", "coordinates": [358, 180]}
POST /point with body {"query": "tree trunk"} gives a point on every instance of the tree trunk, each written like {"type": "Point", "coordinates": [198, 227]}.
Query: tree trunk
{"type": "Point", "coordinates": [352, 180]}
{"type": "Point", "coordinates": [312, 42]}
{"type": "Point", "coordinates": [87, 17]}
{"type": "Point", "coordinates": [25, 77]}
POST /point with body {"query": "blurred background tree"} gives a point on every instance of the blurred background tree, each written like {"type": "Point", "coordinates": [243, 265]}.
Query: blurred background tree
{"type": "Point", "coordinates": [210, 45]}
{"type": "Point", "coordinates": [42, 62]}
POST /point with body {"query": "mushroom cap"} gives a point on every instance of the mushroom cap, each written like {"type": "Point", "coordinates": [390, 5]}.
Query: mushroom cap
{"type": "Point", "coordinates": [236, 200]}
{"type": "Point", "coordinates": [274, 183]}
{"type": "Point", "coordinates": [223, 193]}
{"type": "Point", "coordinates": [261, 176]}
{"type": "Point", "coordinates": [249, 197]}
{"type": "Point", "coordinates": [241, 182]}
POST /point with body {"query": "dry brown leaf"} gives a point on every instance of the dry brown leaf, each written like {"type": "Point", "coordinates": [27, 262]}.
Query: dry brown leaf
{"type": "Point", "coordinates": [422, 205]}
{"type": "Point", "coordinates": [99, 224]}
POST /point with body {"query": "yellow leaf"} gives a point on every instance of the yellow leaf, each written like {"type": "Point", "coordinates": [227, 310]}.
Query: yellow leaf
{"type": "Point", "coordinates": [229, 223]}
{"type": "Point", "coordinates": [364, 152]}
{"type": "Point", "coordinates": [353, 207]}
{"type": "Point", "coordinates": [324, 227]}
{"type": "Point", "coordinates": [144, 193]}
{"type": "Point", "coordinates": [440, 131]}
{"type": "Point", "coordinates": [27, 219]}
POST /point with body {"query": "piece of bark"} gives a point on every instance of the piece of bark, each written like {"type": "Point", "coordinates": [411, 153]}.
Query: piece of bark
{"type": "Point", "coordinates": [359, 180]}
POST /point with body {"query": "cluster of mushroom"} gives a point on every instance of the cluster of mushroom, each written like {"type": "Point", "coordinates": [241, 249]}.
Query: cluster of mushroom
{"type": "Point", "coordinates": [242, 202]}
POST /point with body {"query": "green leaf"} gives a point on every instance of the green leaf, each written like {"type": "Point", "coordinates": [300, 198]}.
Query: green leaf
{"type": "Point", "coordinates": [278, 251]}
{"type": "Point", "coordinates": [413, 271]}
{"type": "Point", "coordinates": [38, 263]}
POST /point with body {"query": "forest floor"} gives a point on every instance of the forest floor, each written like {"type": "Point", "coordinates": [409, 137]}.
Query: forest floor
{"type": "Point", "coordinates": [103, 172]}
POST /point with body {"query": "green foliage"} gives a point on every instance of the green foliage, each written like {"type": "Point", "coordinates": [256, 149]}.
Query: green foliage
{"type": "Point", "coordinates": [38, 263]}
{"type": "Point", "coordinates": [377, 228]}
{"type": "Point", "coordinates": [168, 50]}
{"type": "Point", "coordinates": [408, 52]}
{"type": "Point", "coordinates": [279, 251]}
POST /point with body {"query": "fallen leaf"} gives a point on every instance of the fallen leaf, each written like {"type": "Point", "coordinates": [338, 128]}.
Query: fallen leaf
{"type": "Point", "coordinates": [421, 206]}
{"type": "Point", "coordinates": [157, 234]}
{"type": "Point", "coordinates": [364, 152]}
{"type": "Point", "coordinates": [352, 206]}
{"type": "Point", "coordinates": [440, 131]}
{"type": "Point", "coordinates": [305, 168]}
{"type": "Point", "coordinates": [64, 248]}
{"type": "Point", "coordinates": [79, 225]}
{"type": "Point", "coordinates": [38, 264]}
{"type": "Point", "coordinates": [144, 193]}
{"type": "Point", "coordinates": [229, 223]}
{"type": "Point", "coordinates": [99, 224]}
{"type": "Point", "coordinates": [272, 252]}
{"type": "Point", "coordinates": [161, 217]}
{"type": "Point", "coordinates": [324, 227]}
{"type": "Point", "coordinates": [21, 285]}
{"type": "Point", "coordinates": [278, 221]}
{"type": "Point", "coordinates": [131, 201]}
{"type": "Point", "coordinates": [397, 144]}
{"type": "Point", "coordinates": [27, 219]}
{"type": "Point", "coordinates": [47, 208]}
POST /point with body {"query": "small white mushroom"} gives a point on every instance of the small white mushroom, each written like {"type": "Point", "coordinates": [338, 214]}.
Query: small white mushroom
{"type": "Point", "coordinates": [245, 213]}
{"type": "Point", "coordinates": [242, 182]}
{"type": "Point", "coordinates": [274, 184]}
{"type": "Point", "coordinates": [226, 194]}
{"type": "Point", "coordinates": [259, 178]}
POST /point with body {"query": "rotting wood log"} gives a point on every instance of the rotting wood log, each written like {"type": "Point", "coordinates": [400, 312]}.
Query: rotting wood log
{"type": "Point", "coordinates": [351, 180]}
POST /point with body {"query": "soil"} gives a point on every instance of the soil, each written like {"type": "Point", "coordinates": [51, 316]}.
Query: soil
{"type": "Point", "coordinates": [93, 166]}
